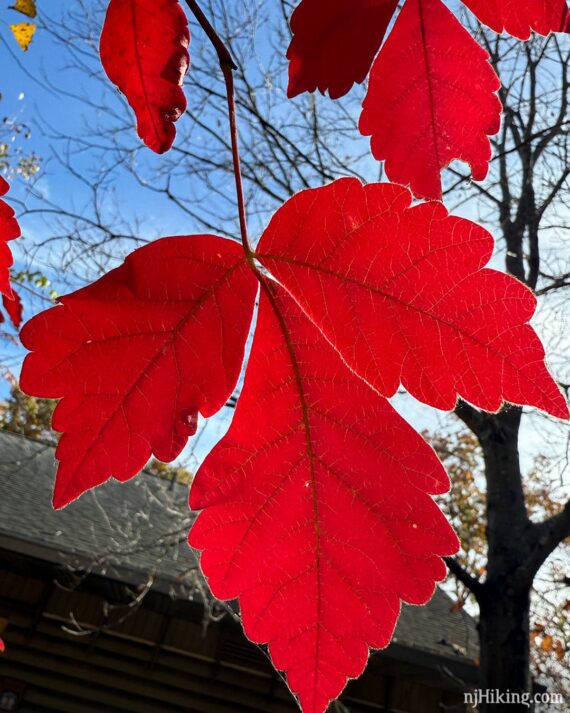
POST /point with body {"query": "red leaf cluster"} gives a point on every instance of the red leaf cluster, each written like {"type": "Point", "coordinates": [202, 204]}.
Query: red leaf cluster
{"type": "Point", "coordinates": [317, 507]}
{"type": "Point", "coordinates": [432, 92]}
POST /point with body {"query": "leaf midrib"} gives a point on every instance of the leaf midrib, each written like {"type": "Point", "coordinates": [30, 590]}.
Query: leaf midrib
{"type": "Point", "coordinates": [311, 461]}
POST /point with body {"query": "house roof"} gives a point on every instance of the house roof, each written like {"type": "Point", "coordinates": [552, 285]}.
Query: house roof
{"type": "Point", "coordinates": [126, 530]}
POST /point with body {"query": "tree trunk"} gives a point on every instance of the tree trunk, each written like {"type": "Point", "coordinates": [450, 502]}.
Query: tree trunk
{"type": "Point", "coordinates": [505, 650]}
{"type": "Point", "coordinates": [505, 598]}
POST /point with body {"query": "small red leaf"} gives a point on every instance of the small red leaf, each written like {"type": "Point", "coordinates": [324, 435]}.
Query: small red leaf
{"type": "Point", "coordinates": [521, 18]}
{"type": "Point", "coordinates": [144, 52]}
{"type": "Point", "coordinates": [403, 293]}
{"type": "Point", "coordinates": [9, 229]}
{"type": "Point", "coordinates": [334, 43]}
{"type": "Point", "coordinates": [2, 646]}
{"type": "Point", "coordinates": [317, 509]}
{"type": "Point", "coordinates": [14, 308]}
{"type": "Point", "coordinates": [138, 354]}
{"type": "Point", "coordinates": [431, 99]}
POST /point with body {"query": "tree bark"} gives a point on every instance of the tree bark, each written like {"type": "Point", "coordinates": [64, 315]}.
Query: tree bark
{"type": "Point", "coordinates": [505, 650]}
{"type": "Point", "coordinates": [505, 596]}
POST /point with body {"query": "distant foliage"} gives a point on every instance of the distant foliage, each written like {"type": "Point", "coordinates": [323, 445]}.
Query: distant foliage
{"type": "Point", "coordinates": [28, 416]}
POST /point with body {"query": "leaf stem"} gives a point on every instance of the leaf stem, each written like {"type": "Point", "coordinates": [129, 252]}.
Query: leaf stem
{"type": "Point", "coordinates": [227, 65]}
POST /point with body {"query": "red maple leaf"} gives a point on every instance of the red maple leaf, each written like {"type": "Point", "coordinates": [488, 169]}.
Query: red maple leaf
{"type": "Point", "coordinates": [9, 230]}
{"type": "Point", "coordinates": [333, 47]}
{"type": "Point", "coordinates": [431, 96]}
{"type": "Point", "coordinates": [137, 355]}
{"type": "Point", "coordinates": [431, 99]}
{"type": "Point", "coordinates": [403, 293]}
{"type": "Point", "coordinates": [521, 17]}
{"type": "Point", "coordinates": [317, 509]}
{"type": "Point", "coordinates": [144, 52]}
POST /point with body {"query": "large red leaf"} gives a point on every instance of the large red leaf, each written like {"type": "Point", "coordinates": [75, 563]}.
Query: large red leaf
{"type": "Point", "coordinates": [138, 354]}
{"type": "Point", "coordinates": [520, 18]}
{"type": "Point", "coordinates": [144, 52]}
{"type": "Point", "coordinates": [403, 293]}
{"type": "Point", "coordinates": [431, 99]}
{"type": "Point", "coordinates": [317, 509]}
{"type": "Point", "coordinates": [334, 43]}
{"type": "Point", "coordinates": [9, 229]}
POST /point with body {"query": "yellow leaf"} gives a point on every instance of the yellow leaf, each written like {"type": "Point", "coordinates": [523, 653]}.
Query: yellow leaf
{"type": "Point", "coordinates": [547, 642]}
{"type": "Point", "coordinates": [26, 7]}
{"type": "Point", "coordinates": [23, 32]}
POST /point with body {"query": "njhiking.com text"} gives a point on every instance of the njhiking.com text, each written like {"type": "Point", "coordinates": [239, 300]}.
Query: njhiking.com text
{"type": "Point", "coordinates": [494, 697]}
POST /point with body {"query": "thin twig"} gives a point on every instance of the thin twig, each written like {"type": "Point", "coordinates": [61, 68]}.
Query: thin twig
{"type": "Point", "coordinates": [227, 65]}
{"type": "Point", "coordinates": [472, 583]}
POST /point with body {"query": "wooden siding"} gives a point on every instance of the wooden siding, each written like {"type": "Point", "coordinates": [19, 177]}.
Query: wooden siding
{"type": "Point", "coordinates": [162, 659]}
